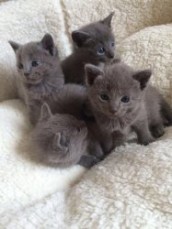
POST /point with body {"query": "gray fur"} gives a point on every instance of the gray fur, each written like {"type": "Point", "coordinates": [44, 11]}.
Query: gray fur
{"type": "Point", "coordinates": [88, 41]}
{"type": "Point", "coordinates": [60, 139]}
{"type": "Point", "coordinates": [41, 82]}
{"type": "Point", "coordinates": [143, 111]}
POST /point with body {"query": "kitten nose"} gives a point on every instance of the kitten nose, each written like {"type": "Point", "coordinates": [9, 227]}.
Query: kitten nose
{"type": "Point", "coordinates": [113, 111]}
{"type": "Point", "coordinates": [26, 74]}
{"type": "Point", "coordinates": [111, 55]}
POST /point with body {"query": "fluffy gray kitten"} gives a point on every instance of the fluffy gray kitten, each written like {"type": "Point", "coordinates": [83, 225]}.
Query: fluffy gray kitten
{"type": "Point", "coordinates": [40, 73]}
{"type": "Point", "coordinates": [122, 100]}
{"type": "Point", "coordinates": [61, 140]}
{"type": "Point", "coordinates": [94, 43]}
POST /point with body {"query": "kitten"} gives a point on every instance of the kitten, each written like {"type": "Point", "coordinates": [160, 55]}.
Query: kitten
{"type": "Point", "coordinates": [94, 44]}
{"type": "Point", "coordinates": [40, 73]}
{"type": "Point", "coordinates": [121, 100]}
{"type": "Point", "coordinates": [61, 140]}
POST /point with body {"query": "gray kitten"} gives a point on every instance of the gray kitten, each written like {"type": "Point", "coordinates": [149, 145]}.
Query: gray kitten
{"type": "Point", "coordinates": [121, 100]}
{"type": "Point", "coordinates": [94, 43]}
{"type": "Point", "coordinates": [61, 140]}
{"type": "Point", "coordinates": [40, 73]}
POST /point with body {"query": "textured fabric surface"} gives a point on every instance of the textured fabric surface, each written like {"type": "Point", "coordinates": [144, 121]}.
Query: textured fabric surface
{"type": "Point", "coordinates": [23, 182]}
{"type": "Point", "coordinates": [132, 188]}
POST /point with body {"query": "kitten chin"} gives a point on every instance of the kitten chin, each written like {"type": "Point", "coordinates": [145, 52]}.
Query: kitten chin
{"type": "Point", "coordinates": [95, 44]}
{"type": "Point", "coordinates": [137, 106]}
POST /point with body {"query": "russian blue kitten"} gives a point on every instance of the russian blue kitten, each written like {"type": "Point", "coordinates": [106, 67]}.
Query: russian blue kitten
{"type": "Point", "coordinates": [94, 43]}
{"type": "Point", "coordinates": [40, 73]}
{"type": "Point", "coordinates": [122, 100]}
{"type": "Point", "coordinates": [61, 140]}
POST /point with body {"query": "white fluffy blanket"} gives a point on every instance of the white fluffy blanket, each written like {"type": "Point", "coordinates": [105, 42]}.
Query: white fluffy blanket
{"type": "Point", "coordinates": [132, 188]}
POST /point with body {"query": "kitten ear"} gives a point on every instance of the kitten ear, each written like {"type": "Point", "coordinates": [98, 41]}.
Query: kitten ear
{"type": "Point", "coordinates": [47, 43]}
{"type": "Point", "coordinates": [60, 141]}
{"type": "Point", "coordinates": [107, 20]}
{"type": "Point", "coordinates": [45, 112]}
{"type": "Point", "coordinates": [15, 46]}
{"type": "Point", "coordinates": [92, 72]}
{"type": "Point", "coordinates": [80, 37]}
{"type": "Point", "coordinates": [143, 77]}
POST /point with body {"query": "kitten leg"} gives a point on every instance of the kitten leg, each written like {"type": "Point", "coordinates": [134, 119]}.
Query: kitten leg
{"type": "Point", "coordinates": [96, 150]}
{"type": "Point", "coordinates": [34, 109]}
{"type": "Point", "coordinates": [156, 125]}
{"type": "Point", "coordinates": [166, 112]}
{"type": "Point", "coordinates": [118, 138]}
{"type": "Point", "coordinates": [157, 130]}
{"type": "Point", "coordinates": [88, 161]}
{"type": "Point", "coordinates": [107, 144]}
{"type": "Point", "coordinates": [143, 133]}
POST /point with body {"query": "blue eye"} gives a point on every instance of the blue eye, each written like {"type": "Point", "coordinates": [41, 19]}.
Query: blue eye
{"type": "Point", "coordinates": [101, 51]}
{"type": "Point", "coordinates": [104, 97]}
{"type": "Point", "coordinates": [34, 63]}
{"type": "Point", "coordinates": [125, 99]}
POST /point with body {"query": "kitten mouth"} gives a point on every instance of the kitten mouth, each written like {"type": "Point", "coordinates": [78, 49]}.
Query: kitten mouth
{"type": "Point", "coordinates": [113, 115]}
{"type": "Point", "coordinates": [34, 81]}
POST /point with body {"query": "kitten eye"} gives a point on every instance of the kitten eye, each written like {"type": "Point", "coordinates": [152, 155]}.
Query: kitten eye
{"type": "Point", "coordinates": [101, 51]}
{"type": "Point", "coordinates": [125, 99]}
{"type": "Point", "coordinates": [34, 63]}
{"type": "Point", "coordinates": [104, 97]}
{"type": "Point", "coordinates": [113, 44]}
{"type": "Point", "coordinates": [20, 66]}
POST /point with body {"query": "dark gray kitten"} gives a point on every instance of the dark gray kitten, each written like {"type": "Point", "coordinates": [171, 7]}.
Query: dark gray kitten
{"type": "Point", "coordinates": [61, 140]}
{"type": "Point", "coordinates": [40, 73]}
{"type": "Point", "coordinates": [94, 43]}
{"type": "Point", "coordinates": [121, 100]}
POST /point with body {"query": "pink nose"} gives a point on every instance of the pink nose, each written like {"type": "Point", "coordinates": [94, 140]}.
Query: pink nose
{"type": "Point", "coordinates": [113, 111]}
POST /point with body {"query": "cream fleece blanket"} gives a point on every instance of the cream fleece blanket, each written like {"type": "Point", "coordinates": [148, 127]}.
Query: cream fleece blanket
{"type": "Point", "coordinates": [132, 188]}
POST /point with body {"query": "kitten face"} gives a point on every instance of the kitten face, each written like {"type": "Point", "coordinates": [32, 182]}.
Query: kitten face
{"type": "Point", "coordinates": [61, 135]}
{"type": "Point", "coordinates": [35, 60]}
{"type": "Point", "coordinates": [117, 91]}
{"type": "Point", "coordinates": [98, 38]}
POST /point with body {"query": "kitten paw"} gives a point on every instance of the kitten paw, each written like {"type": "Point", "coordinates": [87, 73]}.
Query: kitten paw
{"type": "Point", "coordinates": [118, 139]}
{"type": "Point", "coordinates": [157, 131]}
{"type": "Point", "coordinates": [146, 141]}
{"type": "Point", "coordinates": [88, 161]}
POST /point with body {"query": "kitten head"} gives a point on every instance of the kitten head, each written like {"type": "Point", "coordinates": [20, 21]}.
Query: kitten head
{"type": "Point", "coordinates": [36, 60]}
{"type": "Point", "coordinates": [98, 38]}
{"type": "Point", "coordinates": [117, 91]}
{"type": "Point", "coordinates": [60, 136]}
